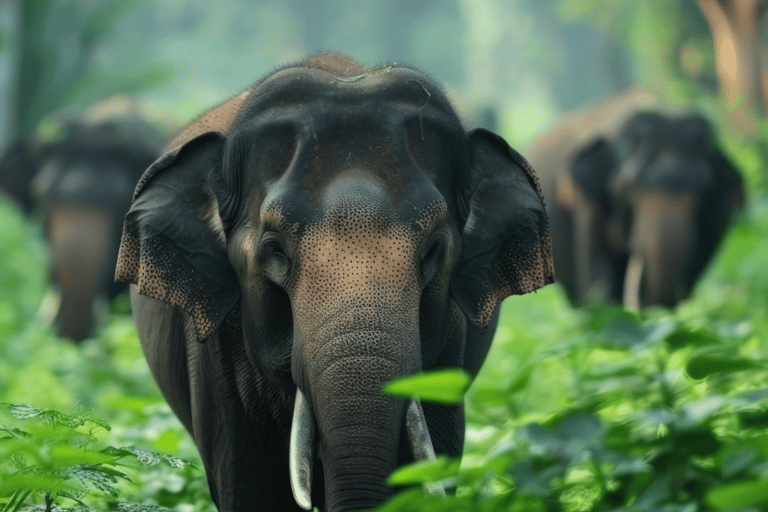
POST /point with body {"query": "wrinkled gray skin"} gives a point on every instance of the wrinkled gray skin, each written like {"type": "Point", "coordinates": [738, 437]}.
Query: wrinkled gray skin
{"type": "Point", "coordinates": [638, 201]}
{"type": "Point", "coordinates": [82, 186]}
{"type": "Point", "coordinates": [320, 233]}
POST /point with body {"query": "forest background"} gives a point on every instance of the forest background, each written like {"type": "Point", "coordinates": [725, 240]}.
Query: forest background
{"type": "Point", "coordinates": [575, 410]}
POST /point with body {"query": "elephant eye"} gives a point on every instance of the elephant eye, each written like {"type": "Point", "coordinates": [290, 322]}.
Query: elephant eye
{"type": "Point", "coordinates": [273, 257]}
{"type": "Point", "coordinates": [433, 257]}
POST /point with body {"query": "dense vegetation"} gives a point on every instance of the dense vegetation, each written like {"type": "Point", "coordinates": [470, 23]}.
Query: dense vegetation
{"type": "Point", "coordinates": [575, 410]}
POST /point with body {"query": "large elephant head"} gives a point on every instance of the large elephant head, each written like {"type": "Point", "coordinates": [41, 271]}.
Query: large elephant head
{"type": "Point", "coordinates": [650, 207]}
{"type": "Point", "coordinates": [344, 212]}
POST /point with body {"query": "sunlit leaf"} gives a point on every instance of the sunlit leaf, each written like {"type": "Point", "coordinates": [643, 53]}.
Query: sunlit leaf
{"type": "Point", "coordinates": [425, 471]}
{"type": "Point", "coordinates": [445, 386]}
{"type": "Point", "coordinates": [28, 481]}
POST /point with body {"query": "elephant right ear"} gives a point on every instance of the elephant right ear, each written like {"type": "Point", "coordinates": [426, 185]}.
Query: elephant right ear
{"type": "Point", "coordinates": [174, 246]}
{"type": "Point", "coordinates": [505, 244]}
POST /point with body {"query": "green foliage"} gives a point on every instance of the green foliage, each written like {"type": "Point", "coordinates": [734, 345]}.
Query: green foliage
{"type": "Point", "coordinates": [52, 456]}
{"type": "Point", "coordinates": [654, 414]}
{"type": "Point", "coordinates": [107, 375]}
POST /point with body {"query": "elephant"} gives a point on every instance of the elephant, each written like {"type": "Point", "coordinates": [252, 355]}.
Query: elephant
{"type": "Point", "coordinates": [329, 228]}
{"type": "Point", "coordinates": [639, 198]}
{"type": "Point", "coordinates": [82, 185]}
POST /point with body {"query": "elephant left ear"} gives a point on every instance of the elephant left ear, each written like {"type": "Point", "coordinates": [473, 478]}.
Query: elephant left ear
{"type": "Point", "coordinates": [505, 245]}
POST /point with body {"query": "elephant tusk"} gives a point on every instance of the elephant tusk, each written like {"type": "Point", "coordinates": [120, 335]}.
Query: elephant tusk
{"type": "Point", "coordinates": [49, 306]}
{"type": "Point", "coordinates": [300, 453]}
{"type": "Point", "coordinates": [421, 444]}
{"type": "Point", "coordinates": [632, 280]}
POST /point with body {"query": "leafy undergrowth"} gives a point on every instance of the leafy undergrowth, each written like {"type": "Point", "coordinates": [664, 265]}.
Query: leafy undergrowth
{"type": "Point", "coordinates": [574, 410]}
{"type": "Point", "coordinates": [605, 410]}
{"type": "Point", "coordinates": [105, 377]}
{"type": "Point", "coordinates": [53, 456]}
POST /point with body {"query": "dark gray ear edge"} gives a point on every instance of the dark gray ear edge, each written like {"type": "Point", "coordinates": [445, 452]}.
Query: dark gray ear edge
{"type": "Point", "coordinates": [729, 181]}
{"type": "Point", "coordinates": [506, 246]}
{"type": "Point", "coordinates": [718, 208]}
{"type": "Point", "coordinates": [173, 247]}
{"type": "Point", "coordinates": [169, 157]}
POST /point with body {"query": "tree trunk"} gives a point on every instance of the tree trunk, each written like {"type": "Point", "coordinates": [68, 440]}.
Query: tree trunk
{"type": "Point", "coordinates": [740, 58]}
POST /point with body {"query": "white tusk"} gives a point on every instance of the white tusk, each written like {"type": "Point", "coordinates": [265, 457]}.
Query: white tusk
{"type": "Point", "coordinates": [421, 443]}
{"type": "Point", "coordinates": [49, 306]}
{"type": "Point", "coordinates": [300, 452]}
{"type": "Point", "coordinates": [632, 280]}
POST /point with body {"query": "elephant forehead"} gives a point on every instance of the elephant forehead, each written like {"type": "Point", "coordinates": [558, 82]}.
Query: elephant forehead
{"type": "Point", "coordinates": [352, 258]}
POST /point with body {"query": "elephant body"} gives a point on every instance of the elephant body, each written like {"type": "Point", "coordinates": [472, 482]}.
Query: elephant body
{"type": "Point", "coordinates": [638, 198]}
{"type": "Point", "coordinates": [327, 229]}
{"type": "Point", "coordinates": [82, 184]}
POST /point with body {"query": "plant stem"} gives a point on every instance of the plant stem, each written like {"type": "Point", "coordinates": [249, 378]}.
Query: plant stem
{"type": "Point", "coordinates": [16, 501]}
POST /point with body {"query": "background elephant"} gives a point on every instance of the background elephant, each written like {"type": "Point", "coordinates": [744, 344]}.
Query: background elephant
{"type": "Point", "coordinates": [82, 184]}
{"type": "Point", "coordinates": [324, 231]}
{"type": "Point", "coordinates": [638, 200]}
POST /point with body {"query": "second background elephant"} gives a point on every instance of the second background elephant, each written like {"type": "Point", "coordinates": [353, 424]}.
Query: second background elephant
{"type": "Point", "coordinates": [82, 185]}
{"type": "Point", "coordinates": [638, 197]}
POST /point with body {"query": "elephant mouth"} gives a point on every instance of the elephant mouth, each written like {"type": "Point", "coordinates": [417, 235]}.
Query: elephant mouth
{"type": "Point", "coordinates": [302, 443]}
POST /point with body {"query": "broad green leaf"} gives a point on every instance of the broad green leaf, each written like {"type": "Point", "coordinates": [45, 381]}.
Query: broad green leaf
{"type": "Point", "coordinates": [691, 337]}
{"type": "Point", "coordinates": [425, 471]}
{"type": "Point", "coordinates": [445, 386]}
{"type": "Point", "coordinates": [29, 481]}
{"type": "Point", "coordinates": [69, 456]}
{"type": "Point", "coordinates": [702, 366]}
{"type": "Point", "coordinates": [750, 493]}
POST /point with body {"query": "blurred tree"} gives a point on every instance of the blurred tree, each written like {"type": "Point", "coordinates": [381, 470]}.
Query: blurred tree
{"type": "Point", "coordinates": [666, 41]}
{"type": "Point", "coordinates": [742, 70]}
{"type": "Point", "coordinates": [54, 53]}
{"type": "Point", "coordinates": [415, 32]}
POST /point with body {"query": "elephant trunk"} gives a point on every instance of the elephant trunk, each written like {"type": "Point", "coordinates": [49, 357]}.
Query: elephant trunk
{"type": "Point", "coordinates": [358, 458]}
{"type": "Point", "coordinates": [79, 238]}
{"type": "Point", "coordinates": [358, 427]}
{"type": "Point", "coordinates": [663, 244]}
